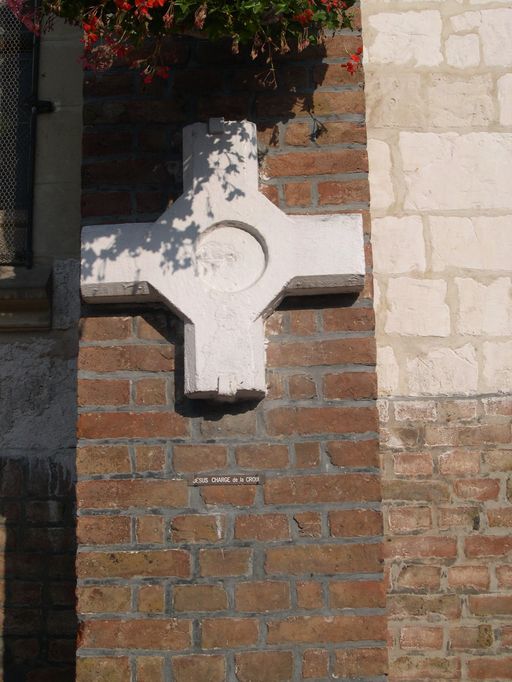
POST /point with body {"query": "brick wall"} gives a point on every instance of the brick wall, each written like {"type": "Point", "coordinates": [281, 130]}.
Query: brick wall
{"type": "Point", "coordinates": [281, 581]}
{"type": "Point", "coordinates": [438, 98]}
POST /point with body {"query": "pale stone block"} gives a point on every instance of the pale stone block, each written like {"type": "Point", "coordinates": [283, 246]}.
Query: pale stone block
{"type": "Point", "coordinates": [483, 243]}
{"type": "Point", "coordinates": [468, 21]}
{"type": "Point", "coordinates": [463, 52]}
{"type": "Point", "coordinates": [398, 244]}
{"type": "Point", "coordinates": [456, 101]}
{"type": "Point", "coordinates": [452, 171]}
{"type": "Point", "coordinates": [417, 307]}
{"type": "Point", "coordinates": [497, 374]}
{"type": "Point", "coordinates": [505, 99]}
{"type": "Point", "coordinates": [388, 372]}
{"type": "Point", "coordinates": [495, 32]}
{"type": "Point", "coordinates": [406, 38]}
{"type": "Point", "coordinates": [484, 309]}
{"type": "Point", "coordinates": [394, 100]}
{"type": "Point", "coordinates": [443, 371]}
{"type": "Point", "coordinates": [381, 186]}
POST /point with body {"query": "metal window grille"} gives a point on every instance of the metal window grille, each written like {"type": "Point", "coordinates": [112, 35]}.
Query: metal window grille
{"type": "Point", "coordinates": [18, 82]}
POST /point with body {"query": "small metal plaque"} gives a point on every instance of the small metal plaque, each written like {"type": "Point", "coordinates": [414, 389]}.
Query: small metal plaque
{"type": "Point", "coordinates": [227, 479]}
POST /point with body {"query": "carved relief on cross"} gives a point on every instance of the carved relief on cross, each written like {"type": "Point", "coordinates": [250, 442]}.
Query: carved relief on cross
{"type": "Point", "coordinates": [222, 257]}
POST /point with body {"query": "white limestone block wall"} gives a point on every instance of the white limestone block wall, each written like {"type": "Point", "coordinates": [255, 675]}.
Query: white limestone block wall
{"type": "Point", "coordinates": [439, 110]}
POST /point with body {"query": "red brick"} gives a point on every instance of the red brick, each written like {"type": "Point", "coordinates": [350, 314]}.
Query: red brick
{"type": "Point", "coordinates": [480, 637]}
{"type": "Point", "coordinates": [105, 203]}
{"type": "Point", "coordinates": [420, 547]}
{"type": "Point", "coordinates": [307, 455]}
{"type": "Point", "coordinates": [224, 562]}
{"type": "Point", "coordinates": [131, 425]}
{"type": "Point", "coordinates": [309, 524]}
{"type": "Point", "coordinates": [355, 191]}
{"type": "Point", "coordinates": [104, 392]}
{"type": "Point", "coordinates": [149, 458]}
{"type": "Point", "coordinates": [413, 464]}
{"type": "Point", "coordinates": [167, 634]}
{"type": "Point", "coordinates": [224, 633]}
{"type": "Point", "coordinates": [99, 144]}
{"type": "Point", "coordinates": [150, 529]}
{"type": "Point", "coordinates": [357, 594]}
{"type": "Point", "coordinates": [362, 453]}
{"type": "Point", "coordinates": [315, 663]}
{"type": "Point", "coordinates": [303, 322]}
{"type": "Point", "coordinates": [301, 387]}
{"type": "Point", "coordinates": [350, 386]}
{"type": "Point", "coordinates": [348, 319]}
{"type": "Point", "coordinates": [419, 577]}
{"type": "Point", "coordinates": [361, 662]}
{"type": "Point", "coordinates": [477, 489]}
{"type": "Point", "coordinates": [151, 599]}
{"type": "Point", "coordinates": [322, 488]}
{"type": "Point", "coordinates": [480, 546]}
{"type": "Point", "coordinates": [148, 563]}
{"type": "Point", "coordinates": [262, 456]}
{"type": "Point", "coordinates": [198, 667]}
{"type": "Point", "coordinates": [103, 599]}
{"type": "Point", "coordinates": [150, 669]}
{"type": "Point", "coordinates": [102, 669]}
{"type": "Point", "coordinates": [150, 392]}
{"type": "Point", "coordinates": [200, 598]}
{"type": "Point", "coordinates": [262, 596]}
{"type": "Point", "coordinates": [198, 458]}
{"type": "Point", "coordinates": [310, 595]}
{"type": "Point", "coordinates": [491, 605]}
{"type": "Point", "coordinates": [409, 519]}
{"type": "Point", "coordinates": [124, 494]}
{"type": "Point", "coordinates": [103, 530]}
{"type": "Point", "coordinates": [421, 637]}
{"type": "Point", "coordinates": [423, 668]}
{"type": "Point", "coordinates": [193, 528]}
{"type": "Point", "coordinates": [297, 194]}
{"type": "Point", "coordinates": [355, 523]}
{"type": "Point", "coordinates": [469, 577]}
{"type": "Point", "coordinates": [458, 517]}
{"type": "Point", "coordinates": [103, 459]}
{"type": "Point", "coordinates": [262, 527]}
{"type": "Point", "coordinates": [298, 560]}
{"type": "Point", "coordinates": [152, 328]}
{"type": "Point", "coordinates": [262, 666]}
{"type": "Point", "coordinates": [105, 328]}
{"type": "Point", "coordinates": [459, 463]}
{"type": "Point", "coordinates": [411, 605]}
{"type": "Point", "coordinates": [314, 420]}
{"type": "Point", "coordinates": [322, 353]}
{"type": "Point", "coordinates": [504, 576]}
{"type": "Point", "coordinates": [149, 358]}
{"type": "Point", "coordinates": [487, 668]}
{"type": "Point", "coordinates": [324, 629]}
{"type": "Point", "coordinates": [500, 518]}
{"type": "Point", "coordinates": [417, 491]}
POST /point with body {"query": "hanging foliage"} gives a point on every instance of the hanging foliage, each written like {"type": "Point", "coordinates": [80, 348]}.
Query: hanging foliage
{"type": "Point", "coordinates": [119, 28]}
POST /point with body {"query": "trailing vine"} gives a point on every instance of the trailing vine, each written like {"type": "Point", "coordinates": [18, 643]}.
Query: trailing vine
{"type": "Point", "coordinates": [119, 28]}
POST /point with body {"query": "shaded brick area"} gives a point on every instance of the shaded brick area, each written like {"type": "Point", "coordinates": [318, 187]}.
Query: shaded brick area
{"type": "Point", "coordinates": [448, 514]}
{"type": "Point", "coordinates": [281, 581]}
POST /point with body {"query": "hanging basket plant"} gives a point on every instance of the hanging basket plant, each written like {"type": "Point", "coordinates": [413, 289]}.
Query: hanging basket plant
{"type": "Point", "coordinates": [119, 28]}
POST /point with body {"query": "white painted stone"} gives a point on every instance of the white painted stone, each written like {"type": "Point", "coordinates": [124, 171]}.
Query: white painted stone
{"type": "Point", "coordinates": [443, 371]}
{"type": "Point", "coordinates": [381, 186]}
{"type": "Point", "coordinates": [463, 52]}
{"type": "Point", "coordinates": [495, 32]}
{"type": "Point", "coordinates": [484, 309]}
{"type": "Point", "coordinates": [388, 371]}
{"type": "Point", "coordinates": [505, 99]}
{"type": "Point", "coordinates": [497, 373]}
{"type": "Point", "coordinates": [398, 244]}
{"type": "Point", "coordinates": [456, 101]}
{"type": "Point", "coordinates": [483, 243]}
{"type": "Point", "coordinates": [406, 38]}
{"type": "Point", "coordinates": [222, 257]}
{"type": "Point", "coordinates": [452, 171]}
{"type": "Point", "coordinates": [417, 307]}
{"type": "Point", "coordinates": [467, 21]}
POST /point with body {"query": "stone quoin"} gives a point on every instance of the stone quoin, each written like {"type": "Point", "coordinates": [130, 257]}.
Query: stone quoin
{"type": "Point", "coordinates": [222, 257]}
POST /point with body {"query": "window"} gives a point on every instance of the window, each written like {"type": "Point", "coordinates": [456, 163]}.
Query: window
{"type": "Point", "coordinates": [18, 110]}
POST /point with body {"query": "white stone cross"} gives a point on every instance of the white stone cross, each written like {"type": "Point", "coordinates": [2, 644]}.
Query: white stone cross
{"type": "Point", "coordinates": [222, 257]}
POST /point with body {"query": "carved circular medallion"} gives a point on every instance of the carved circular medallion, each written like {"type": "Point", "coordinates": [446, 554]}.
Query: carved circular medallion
{"type": "Point", "coordinates": [229, 258]}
